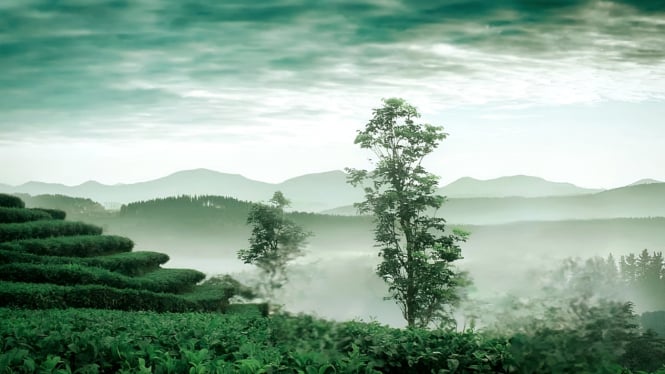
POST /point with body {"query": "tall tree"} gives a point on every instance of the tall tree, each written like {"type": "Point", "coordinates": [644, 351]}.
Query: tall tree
{"type": "Point", "coordinates": [274, 242]}
{"type": "Point", "coordinates": [417, 252]}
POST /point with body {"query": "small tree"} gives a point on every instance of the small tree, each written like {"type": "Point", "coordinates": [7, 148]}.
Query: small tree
{"type": "Point", "coordinates": [275, 240]}
{"type": "Point", "coordinates": [417, 254]}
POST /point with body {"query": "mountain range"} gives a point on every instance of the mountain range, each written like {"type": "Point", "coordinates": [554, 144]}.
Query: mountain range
{"type": "Point", "coordinates": [311, 192]}
{"type": "Point", "coordinates": [642, 200]}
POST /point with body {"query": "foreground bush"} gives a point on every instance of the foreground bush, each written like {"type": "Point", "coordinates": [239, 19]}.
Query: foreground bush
{"type": "Point", "coordinates": [47, 296]}
{"type": "Point", "coordinates": [111, 341]}
{"type": "Point", "coordinates": [18, 215]}
{"type": "Point", "coordinates": [71, 246]}
{"type": "Point", "coordinates": [162, 280]}
{"type": "Point", "coordinates": [129, 263]}
{"type": "Point", "coordinates": [55, 213]}
{"type": "Point", "coordinates": [45, 229]}
{"type": "Point", "coordinates": [10, 201]}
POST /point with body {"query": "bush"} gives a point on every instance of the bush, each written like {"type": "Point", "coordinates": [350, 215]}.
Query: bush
{"type": "Point", "coordinates": [10, 201]}
{"type": "Point", "coordinates": [72, 246]}
{"type": "Point", "coordinates": [55, 213]}
{"type": "Point", "coordinates": [162, 280]}
{"type": "Point", "coordinates": [172, 280]}
{"type": "Point", "coordinates": [45, 229]}
{"type": "Point", "coordinates": [19, 215]}
{"type": "Point", "coordinates": [49, 296]}
{"type": "Point", "coordinates": [130, 263]}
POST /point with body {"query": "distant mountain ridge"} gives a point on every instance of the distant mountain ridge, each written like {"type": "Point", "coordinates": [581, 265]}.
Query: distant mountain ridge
{"type": "Point", "coordinates": [511, 186]}
{"type": "Point", "coordinates": [642, 200]}
{"type": "Point", "coordinates": [311, 192]}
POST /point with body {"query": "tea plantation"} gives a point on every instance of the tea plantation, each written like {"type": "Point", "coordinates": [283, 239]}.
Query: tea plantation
{"type": "Point", "coordinates": [75, 301]}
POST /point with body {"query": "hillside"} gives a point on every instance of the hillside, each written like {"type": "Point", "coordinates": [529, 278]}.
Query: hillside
{"type": "Point", "coordinates": [643, 200]}
{"type": "Point", "coordinates": [518, 185]}
{"type": "Point", "coordinates": [312, 192]}
{"type": "Point", "coordinates": [47, 262]}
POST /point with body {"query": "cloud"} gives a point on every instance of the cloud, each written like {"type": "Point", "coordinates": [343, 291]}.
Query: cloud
{"type": "Point", "coordinates": [155, 68]}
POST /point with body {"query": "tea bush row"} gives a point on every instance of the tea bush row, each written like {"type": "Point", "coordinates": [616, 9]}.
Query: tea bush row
{"type": "Point", "coordinates": [18, 215]}
{"type": "Point", "coordinates": [161, 280]}
{"type": "Point", "coordinates": [47, 296]}
{"type": "Point", "coordinates": [71, 246]}
{"type": "Point", "coordinates": [129, 263]}
{"type": "Point", "coordinates": [10, 201]}
{"type": "Point", "coordinates": [45, 229]}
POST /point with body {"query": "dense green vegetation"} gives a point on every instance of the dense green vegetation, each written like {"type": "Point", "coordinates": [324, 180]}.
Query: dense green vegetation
{"type": "Point", "coordinates": [45, 229]}
{"type": "Point", "coordinates": [17, 215]}
{"type": "Point", "coordinates": [42, 333]}
{"type": "Point", "coordinates": [62, 264]}
{"type": "Point", "coordinates": [10, 201]}
{"type": "Point", "coordinates": [128, 263]}
{"type": "Point", "coordinates": [75, 207]}
{"type": "Point", "coordinates": [75, 246]}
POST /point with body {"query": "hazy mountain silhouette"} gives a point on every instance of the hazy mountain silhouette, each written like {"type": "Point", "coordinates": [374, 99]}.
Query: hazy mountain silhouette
{"type": "Point", "coordinates": [645, 200]}
{"type": "Point", "coordinates": [517, 185]}
{"type": "Point", "coordinates": [645, 181]}
{"type": "Point", "coordinates": [310, 192]}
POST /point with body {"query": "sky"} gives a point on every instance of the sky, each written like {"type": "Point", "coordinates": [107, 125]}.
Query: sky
{"type": "Point", "coordinates": [121, 91]}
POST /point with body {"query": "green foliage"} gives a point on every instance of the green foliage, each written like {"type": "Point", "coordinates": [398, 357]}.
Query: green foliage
{"type": "Point", "coordinates": [162, 280]}
{"type": "Point", "coordinates": [399, 192]}
{"type": "Point", "coordinates": [215, 293]}
{"type": "Point", "coordinates": [72, 246]}
{"type": "Point", "coordinates": [11, 201]}
{"type": "Point", "coordinates": [579, 338]}
{"type": "Point", "coordinates": [75, 207]}
{"type": "Point", "coordinates": [18, 215]}
{"type": "Point", "coordinates": [194, 212]}
{"type": "Point", "coordinates": [643, 277]}
{"type": "Point", "coordinates": [45, 229]}
{"type": "Point", "coordinates": [54, 213]}
{"type": "Point", "coordinates": [645, 352]}
{"type": "Point", "coordinates": [130, 263]}
{"type": "Point", "coordinates": [49, 296]}
{"type": "Point", "coordinates": [119, 341]}
{"type": "Point", "coordinates": [274, 242]}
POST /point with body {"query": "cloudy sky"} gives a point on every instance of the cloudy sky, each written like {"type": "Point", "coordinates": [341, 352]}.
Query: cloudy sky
{"type": "Point", "coordinates": [124, 91]}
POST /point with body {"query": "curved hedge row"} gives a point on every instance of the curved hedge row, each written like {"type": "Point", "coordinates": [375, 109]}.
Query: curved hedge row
{"type": "Point", "coordinates": [49, 296]}
{"type": "Point", "coordinates": [129, 263]}
{"type": "Point", "coordinates": [10, 201]}
{"type": "Point", "coordinates": [162, 280]}
{"type": "Point", "coordinates": [72, 246]}
{"type": "Point", "coordinates": [55, 213]}
{"type": "Point", "coordinates": [19, 215]}
{"type": "Point", "coordinates": [172, 280]}
{"type": "Point", "coordinates": [45, 229]}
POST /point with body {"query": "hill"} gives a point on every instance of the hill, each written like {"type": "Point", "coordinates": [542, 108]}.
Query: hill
{"type": "Point", "coordinates": [46, 262]}
{"type": "Point", "coordinates": [311, 192]}
{"type": "Point", "coordinates": [643, 200]}
{"type": "Point", "coordinates": [518, 185]}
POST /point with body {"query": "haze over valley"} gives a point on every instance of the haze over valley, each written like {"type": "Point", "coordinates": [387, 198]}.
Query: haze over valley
{"type": "Point", "coordinates": [534, 227]}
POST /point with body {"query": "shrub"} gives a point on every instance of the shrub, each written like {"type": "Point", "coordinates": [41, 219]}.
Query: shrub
{"type": "Point", "coordinates": [19, 215]}
{"type": "Point", "coordinates": [130, 263]}
{"type": "Point", "coordinates": [45, 229]}
{"type": "Point", "coordinates": [172, 280]}
{"type": "Point", "coordinates": [72, 246]}
{"type": "Point", "coordinates": [55, 213]}
{"type": "Point", "coordinates": [162, 280]}
{"type": "Point", "coordinates": [49, 296]}
{"type": "Point", "coordinates": [10, 201]}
